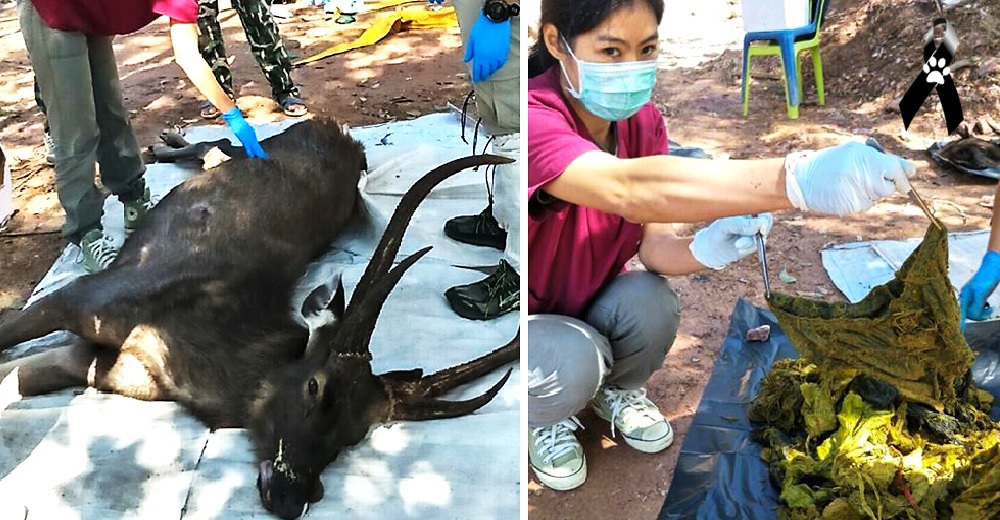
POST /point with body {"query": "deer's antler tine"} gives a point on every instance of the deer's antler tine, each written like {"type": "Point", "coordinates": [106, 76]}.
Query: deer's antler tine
{"type": "Point", "coordinates": [361, 323]}
{"type": "Point", "coordinates": [391, 239]}
{"type": "Point", "coordinates": [409, 408]}
{"type": "Point", "coordinates": [388, 246]}
{"type": "Point", "coordinates": [444, 380]}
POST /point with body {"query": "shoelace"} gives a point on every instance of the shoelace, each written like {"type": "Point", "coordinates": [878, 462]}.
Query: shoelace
{"type": "Point", "coordinates": [483, 219]}
{"type": "Point", "coordinates": [558, 439]}
{"type": "Point", "coordinates": [501, 280]}
{"type": "Point", "coordinates": [619, 400]}
{"type": "Point", "coordinates": [102, 252]}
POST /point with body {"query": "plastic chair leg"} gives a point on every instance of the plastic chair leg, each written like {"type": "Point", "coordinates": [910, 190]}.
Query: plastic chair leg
{"type": "Point", "coordinates": [745, 89]}
{"type": "Point", "coordinates": [818, 71]}
{"type": "Point", "coordinates": [787, 45]}
{"type": "Point", "coordinates": [798, 77]}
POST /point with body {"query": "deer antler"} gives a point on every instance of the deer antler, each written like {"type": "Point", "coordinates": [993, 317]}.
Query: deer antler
{"type": "Point", "coordinates": [355, 332]}
{"type": "Point", "coordinates": [413, 399]}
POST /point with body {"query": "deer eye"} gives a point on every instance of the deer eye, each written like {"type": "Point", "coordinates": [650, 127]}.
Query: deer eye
{"type": "Point", "coordinates": [313, 387]}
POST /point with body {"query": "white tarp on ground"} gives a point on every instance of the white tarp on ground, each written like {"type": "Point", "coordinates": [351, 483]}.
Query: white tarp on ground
{"type": "Point", "coordinates": [95, 456]}
{"type": "Point", "coordinates": [858, 266]}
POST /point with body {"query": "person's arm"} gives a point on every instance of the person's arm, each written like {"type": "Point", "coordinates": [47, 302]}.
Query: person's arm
{"type": "Point", "coordinates": [994, 244]}
{"type": "Point", "coordinates": [185, 40]}
{"type": "Point", "coordinates": [184, 37]}
{"type": "Point", "coordinates": [663, 252]}
{"type": "Point", "coordinates": [672, 189]}
{"type": "Point", "coordinates": [972, 299]}
{"type": "Point", "coordinates": [838, 180]}
{"type": "Point", "coordinates": [721, 243]}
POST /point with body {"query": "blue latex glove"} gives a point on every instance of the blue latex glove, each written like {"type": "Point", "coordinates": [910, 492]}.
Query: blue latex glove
{"type": "Point", "coordinates": [438, 2]}
{"type": "Point", "coordinates": [844, 179]}
{"type": "Point", "coordinates": [245, 133]}
{"type": "Point", "coordinates": [489, 43]}
{"type": "Point", "coordinates": [972, 299]}
{"type": "Point", "coordinates": [729, 239]}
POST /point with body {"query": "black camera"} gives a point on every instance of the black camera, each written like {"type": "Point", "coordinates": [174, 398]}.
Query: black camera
{"type": "Point", "coordinates": [498, 11]}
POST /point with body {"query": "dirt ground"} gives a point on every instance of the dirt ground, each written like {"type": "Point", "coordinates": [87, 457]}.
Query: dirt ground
{"type": "Point", "coordinates": [869, 49]}
{"type": "Point", "coordinates": [406, 75]}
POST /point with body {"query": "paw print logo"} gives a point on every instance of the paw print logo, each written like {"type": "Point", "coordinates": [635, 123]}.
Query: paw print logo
{"type": "Point", "coordinates": [936, 69]}
{"type": "Point", "coordinates": [940, 44]}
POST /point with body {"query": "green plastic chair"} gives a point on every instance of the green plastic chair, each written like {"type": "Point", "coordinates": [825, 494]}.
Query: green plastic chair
{"type": "Point", "coordinates": [787, 44]}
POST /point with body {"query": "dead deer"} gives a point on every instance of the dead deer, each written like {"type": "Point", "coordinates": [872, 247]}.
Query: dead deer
{"type": "Point", "coordinates": [195, 310]}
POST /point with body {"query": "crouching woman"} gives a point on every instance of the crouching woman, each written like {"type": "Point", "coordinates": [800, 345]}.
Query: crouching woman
{"type": "Point", "coordinates": [601, 190]}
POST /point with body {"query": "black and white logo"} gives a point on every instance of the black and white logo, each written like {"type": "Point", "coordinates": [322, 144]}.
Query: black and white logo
{"type": "Point", "coordinates": [940, 44]}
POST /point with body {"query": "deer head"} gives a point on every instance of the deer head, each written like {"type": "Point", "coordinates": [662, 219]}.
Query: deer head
{"type": "Point", "coordinates": [307, 412]}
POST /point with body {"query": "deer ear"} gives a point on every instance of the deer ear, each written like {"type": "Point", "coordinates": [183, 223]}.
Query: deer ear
{"type": "Point", "coordinates": [325, 304]}
{"type": "Point", "coordinates": [322, 311]}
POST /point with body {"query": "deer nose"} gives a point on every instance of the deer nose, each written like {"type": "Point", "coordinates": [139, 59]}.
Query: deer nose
{"type": "Point", "coordinates": [278, 494]}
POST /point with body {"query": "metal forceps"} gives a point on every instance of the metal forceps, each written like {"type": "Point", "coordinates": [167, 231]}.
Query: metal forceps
{"type": "Point", "coordinates": [762, 256]}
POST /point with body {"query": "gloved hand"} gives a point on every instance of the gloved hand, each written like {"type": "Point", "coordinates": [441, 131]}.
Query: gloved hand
{"type": "Point", "coordinates": [438, 2]}
{"type": "Point", "coordinates": [844, 179]}
{"type": "Point", "coordinates": [729, 239]}
{"type": "Point", "coordinates": [972, 298]}
{"type": "Point", "coordinates": [245, 133]}
{"type": "Point", "coordinates": [489, 43]}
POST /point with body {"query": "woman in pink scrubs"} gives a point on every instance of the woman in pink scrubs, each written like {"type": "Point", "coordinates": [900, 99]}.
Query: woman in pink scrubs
{"type": "Point", "coordinates": [602, 190]}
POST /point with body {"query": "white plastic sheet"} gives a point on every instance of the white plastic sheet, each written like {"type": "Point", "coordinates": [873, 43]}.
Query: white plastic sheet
{"type": "Point", "coordinates": [858, 266]}
{"type": "Point", "coordinates": [107, 457]}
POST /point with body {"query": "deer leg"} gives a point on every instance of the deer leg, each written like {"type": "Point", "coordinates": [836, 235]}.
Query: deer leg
{"type": "Point", "coordinates": [55, 369]}
{"type": "Point", "coordinates": [101, 308]}
{"type": "Point", "coordinates": [79, 363]}
{"type": "Point", "coordinates": [47, 315]}
{"type": "Point", "coordinates": [70, 308]}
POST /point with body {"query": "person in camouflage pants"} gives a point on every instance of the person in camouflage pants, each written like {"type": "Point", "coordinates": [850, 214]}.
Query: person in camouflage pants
{"type": "Point", "coordinates": [265, 45]}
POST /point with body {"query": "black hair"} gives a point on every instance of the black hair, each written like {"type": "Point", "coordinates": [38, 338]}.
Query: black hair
{"type": "Point", "coordinates": [573, 18]}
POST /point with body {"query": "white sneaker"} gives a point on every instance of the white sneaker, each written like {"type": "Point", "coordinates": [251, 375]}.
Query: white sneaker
{"type": "Point", "coordinates": [50, 149]}
{"type": "Point", "coordinates": [556, 455]}
{"type": "Point", "coordinates": [98, 251]}
{"type": "Point", "coordinates": [636, 417]}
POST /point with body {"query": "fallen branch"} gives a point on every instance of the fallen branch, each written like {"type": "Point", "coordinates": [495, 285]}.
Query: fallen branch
{"type": "Point", "coordinates": [24, 178]}
{"type": "Point", "coordinates": [29, 233]}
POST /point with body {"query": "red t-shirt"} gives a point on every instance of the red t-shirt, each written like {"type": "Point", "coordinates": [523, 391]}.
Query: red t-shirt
{"type": "Point", "coordinates": [574, 251]}
{"type": "Point", "coordinates": [111, 17]}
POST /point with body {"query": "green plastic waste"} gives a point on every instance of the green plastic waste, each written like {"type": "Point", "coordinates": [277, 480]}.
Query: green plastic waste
{"type": "Point", "coordinates": [879, 417]}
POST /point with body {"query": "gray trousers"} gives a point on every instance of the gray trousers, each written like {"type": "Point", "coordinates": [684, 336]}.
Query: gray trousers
{"type": "Point", "coordinates": [622, 340]}
{"type": "Point", "coordinates": [498, 98]}
{"type": "Point", "coordinates": [78, 79]}
{"type": "Point", "coordinates": [498, 101]}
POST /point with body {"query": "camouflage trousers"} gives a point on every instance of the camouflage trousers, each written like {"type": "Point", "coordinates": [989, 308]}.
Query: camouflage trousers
{"type": "Point", "coordinates": [265, 45]}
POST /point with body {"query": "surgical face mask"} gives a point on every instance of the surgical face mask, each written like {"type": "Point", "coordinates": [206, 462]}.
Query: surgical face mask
{"type": "Point", "coordinates": [612, 91]}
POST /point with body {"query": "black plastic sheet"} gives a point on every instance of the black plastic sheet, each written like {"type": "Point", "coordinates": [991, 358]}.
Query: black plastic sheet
{"type": "Point", "coordinates": [719, 473]}
{"type": "Point", "coordinates": [935, 151]}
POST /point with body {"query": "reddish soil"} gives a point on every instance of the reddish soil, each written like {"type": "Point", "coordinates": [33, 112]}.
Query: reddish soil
{"type": "Point", "coordinates": [869, 50]}
{"type": "Point", "coordinates": [406, 75]}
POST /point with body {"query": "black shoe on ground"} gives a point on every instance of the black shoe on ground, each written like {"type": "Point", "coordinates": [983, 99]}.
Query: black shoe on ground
{"type": "Point", "coordinates": [478, 230]}
{"type": "Point", "coordinates": [491, 297]}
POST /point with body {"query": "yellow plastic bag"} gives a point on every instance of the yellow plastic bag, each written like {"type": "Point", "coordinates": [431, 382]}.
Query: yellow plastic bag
{"type": "Point", "coordinates": [390, 23]}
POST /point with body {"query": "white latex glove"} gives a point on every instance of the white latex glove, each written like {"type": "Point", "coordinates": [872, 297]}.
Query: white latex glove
{"type": "Point", "coordinates": [729, 239]}
{"type": "Point", "coordinates": [844, 179]}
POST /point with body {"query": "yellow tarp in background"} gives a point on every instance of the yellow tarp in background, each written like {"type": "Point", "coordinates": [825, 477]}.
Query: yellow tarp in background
{"type": "Point", "coordinates": [390, 22]}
